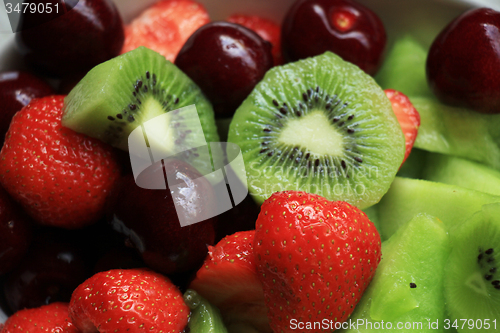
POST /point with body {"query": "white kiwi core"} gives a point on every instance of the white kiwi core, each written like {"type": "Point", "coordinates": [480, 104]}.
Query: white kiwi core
{"type": "Point", "coordinates": [314, 132]}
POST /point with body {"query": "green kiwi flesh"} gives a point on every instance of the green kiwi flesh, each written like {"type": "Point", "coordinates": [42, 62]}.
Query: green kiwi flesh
{"type": "Point", "coordinates": [414, 165]}
{"type": "Point", "coordinates": [472, 282]}
{"type": "Point", "coordinates": [205, 317]}
{"type": "Point", "coordinates": [407, 289]}
{"type": "Point", "coordinates": [461, 172]}
{"type": "Point", "coordinates": [458, 132]}
{"type": "Point", "coordinates": [409, 197]}
{"type": "Point", "coordinates": [404, 68]}
{"type": "Point", "coordinates": [123, 93]}
{"type": "Point", "coordinates": [319, 125]}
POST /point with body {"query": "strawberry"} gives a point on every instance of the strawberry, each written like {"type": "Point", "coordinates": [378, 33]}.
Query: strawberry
{"type": "Point", "coordinates": [407, 115]}
{"type": "Point", "coordinates": [53, 318]}
{"type": "Point", "coordinates": [266, 29]}
{"type": "Point", "coordinates": [165, 27]}
{"type": "Point", "coordinates": [314, 257]}
{"type": "Point", "coordinates": [60, 177]}
{"type": "Point", "coordinates": [131, 300]}
{"type": "Point", "coordinates": [228, 279]}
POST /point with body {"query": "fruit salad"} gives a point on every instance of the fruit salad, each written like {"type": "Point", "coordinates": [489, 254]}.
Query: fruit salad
{"type": "Point", "coordinates": [294, 166]}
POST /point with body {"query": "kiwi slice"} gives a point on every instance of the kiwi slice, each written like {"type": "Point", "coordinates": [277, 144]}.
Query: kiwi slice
{"type": "Point", "coordinates": [117, 96]}
{"type": "Point", "coordinates": [472, 282]}
{"type": "Point", "coordinates": [319, 125]}
{"type": "Point", "coordinates": [406, 293]}
{"type": "Point", "coordinates": [404, 68]}
{"type": "Point", "coordinates": [408, 197]}
{"type": "Point", "coordinates": [458, 132]}
{"type": "Point", "coordinates": [461, 172]}
{"type": "Point", "coordinates": [205, 317]}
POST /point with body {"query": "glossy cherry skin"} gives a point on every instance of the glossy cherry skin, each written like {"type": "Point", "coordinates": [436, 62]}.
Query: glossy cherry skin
{"type": "Point", "coordinates": [17, 89]}
{"type": "Point", "coordinates": [344, 27]}
{"type": "Point", "coordinates": [15, 233]}
{"type": "Point", "coordinates": [53, 267]}
{"type": "Point", "coordinates": [226, 61]}
{"type": "Point", "coordinates": [120, 257]}
{"type": "Point", "coordinates": [242, 217]}
{"type": "Point", "coordinates": [86, 35]}
{"type": "Point", "coordinates": [149, 220]}
{"type": "Point", "coordinates": [463, 65]}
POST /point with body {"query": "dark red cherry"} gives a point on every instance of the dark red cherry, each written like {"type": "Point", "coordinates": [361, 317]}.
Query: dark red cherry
{"type": "Point", "coordinates": [242, 217]}
{"type": "Point", "coordinates": [344, 27]}
{"type": "Point", "coordinates": [120, 257]}
{"type": "Point", "coordinates": [463, 65]}
{"type": "Point", "coordinates": [15, 233]}
{"type": "Point", "coordinates": [53, 267]}
{"type": "Point", "coordinates": [17, 89]}
{"type": "Point", "coordinates": [226, 61]}
{"type": "Point", "coordinates": [87, 34]}
{"type": "Point", "coordinates": [149, 220]}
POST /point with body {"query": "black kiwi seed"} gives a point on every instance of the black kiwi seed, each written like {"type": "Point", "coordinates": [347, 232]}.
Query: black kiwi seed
{"type": "Point", "coordinates": [413, 285]}
{"type": "Point", "coordinates": [147, 75]}
{"type": "Point", "coordinates": [119, 116]}
{"type": "Point", "coordinates": [131, 118]}
{"type": "Point", "coordinates": [496, 282]}
{"type": "Point", "coordinates": [493, 270]}
{"type": "Point", "coordinates": [479, 257]}
{"type": "Point", "coordinates": [489, 251]}
{"type": "Point", "coordinates": [132, 106]}
{"type": "Point", "coordinates": [275, 102]}
{"type": "Point", "coordinates": [111, 118]}
{"type": "Point", "coordinates": [488, 277]}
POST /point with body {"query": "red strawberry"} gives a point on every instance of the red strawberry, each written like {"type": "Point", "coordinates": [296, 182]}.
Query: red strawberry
{"type": "Point", "coordinates": [407, 115]}
{"type": "Point", "coordinates": [51, 318]}
{"type": "Point", "coordinates": [60, 177]}
{"type": "Point", "coordinates": [131, 300]}
{"type": "Point", "coordinates": [228, 280]}
{"type": "Point", "coordinates": [314, 257]}
{"type": "Point", "coordinates": [266, 29]}
{"type": "Point", "coordinates": [165, 27]}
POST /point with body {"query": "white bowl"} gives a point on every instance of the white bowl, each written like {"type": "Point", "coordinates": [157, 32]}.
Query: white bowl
{"type": "Point", "coordinates": [421, 18]}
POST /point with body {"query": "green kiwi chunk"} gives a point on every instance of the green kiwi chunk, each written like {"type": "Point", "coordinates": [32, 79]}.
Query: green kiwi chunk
{"type": "Point", "coordinates": [461, 172]}
{"type": "Point", "coordinates": [372, 214]}
{"type": "Point", "coordinates": [414, 165]}
{"type": "Point", "coordinates": [123, 93]}
{"type": "Point", "coordinates": [458, 132]}
{"type": "Point", "coordinates": [404, 68]}
{"type": "Point", "coordinates": [408, 197]}
{"type": "Point", "coordinates": [472, 281]}
{"type": "Point", "coordinates": [204, 318]}
{"type": "Point", "coordinates": [319, 125]}
{"type": "Point", "coordinates": [407, 289]}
